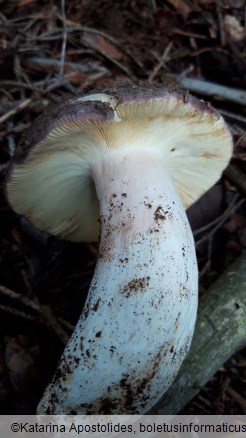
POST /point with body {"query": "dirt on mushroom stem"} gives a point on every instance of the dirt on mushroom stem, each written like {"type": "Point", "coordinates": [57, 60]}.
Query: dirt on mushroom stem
{"type": "Point", "coordinates": [137, 324]}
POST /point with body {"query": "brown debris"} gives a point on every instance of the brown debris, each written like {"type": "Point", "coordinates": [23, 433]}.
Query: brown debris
{"type": "Point", "coordinates": [135, 286]}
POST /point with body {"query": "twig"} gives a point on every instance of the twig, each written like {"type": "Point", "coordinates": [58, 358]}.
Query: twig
{"type": "Point", "coordinates": [237, 177]}
{"type": "Point", "coordinates": [190, 34]}
{"type": "Point", "coordinates": [211, 89]}
{"type": "Point", "coordinates": [22, 314]}
{"type": "Point", "coordinates": [57, 35]}
{"type": "Point", "coordinates": [239, 399]}
{"type": "Point", "coordinates": [221, 24]}
{"type": "Point", "coordinates": [64, 38]}
{"type": "Point", "coordinates": [15, 110]}
{"type": "Point", "coordinates": [240, 138]}
{"type": "Point", "coordinates": [47, 62]}
{"type": "Point", "coordinates": [20, 298]}
{"type": "Point", "coordinates": [11, 25]}
{"type": "Point", "coordinates": [54, 323]}
{"type": "Point", "coordinates": [164, 59]}
{"type": "Point", "coordinates": [220, 221]}
{"type": "Point", "coordinates": [117, 63]}
{"type": "Point", "coordinates": [64, 82]}
{"type": "Point", "coordinates": [67, 325]}
{"type": "Point", "coordinates": [184, 73]}
{"type": "Point", "coordinates": [232, 116]}
{"type": "Point", "coordinates": [16, 84]}
{"type": "Point", "coordinates": [15, 129]}
{"type": "Point", "coordinates": [154, 6]}
{"type": "Point", "coordinates": [18, 74]}
{"type": "Point", "coordinates": [44, 311]}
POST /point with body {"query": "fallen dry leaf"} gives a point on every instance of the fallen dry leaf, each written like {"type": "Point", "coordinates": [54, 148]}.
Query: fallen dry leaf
{"type": "Point", "coordinates": [234, 28]}
{"type": "Point", "coordinates": [236, 222]}
{"type": "Point", "coordinates": [99, 43]}
{"type": "Point", "coordinates": [181, 7]}
{"type": "Point", "coordinates": [25, 2]}
{"type": "Point", "coordinates": [21, 360]}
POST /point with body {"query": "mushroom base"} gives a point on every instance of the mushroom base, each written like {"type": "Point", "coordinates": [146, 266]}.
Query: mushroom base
{"type": "Point", "coordinates": [139, 317]}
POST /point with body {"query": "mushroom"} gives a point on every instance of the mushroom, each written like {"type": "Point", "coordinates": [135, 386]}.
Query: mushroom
{"type": "Point", "coordinates": [124, 163]}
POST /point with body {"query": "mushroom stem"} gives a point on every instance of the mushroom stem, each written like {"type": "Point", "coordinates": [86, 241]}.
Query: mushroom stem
{"type": "Point", "coordinates": [139, 317]}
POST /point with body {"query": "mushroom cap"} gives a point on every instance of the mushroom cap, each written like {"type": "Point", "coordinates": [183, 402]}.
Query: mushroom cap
{"type": "Point", "coordinates": [50, 179]}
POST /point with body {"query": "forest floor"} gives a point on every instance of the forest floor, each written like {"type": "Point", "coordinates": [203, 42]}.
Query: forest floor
{"type": "Point", "coordinates": [52, 50]}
